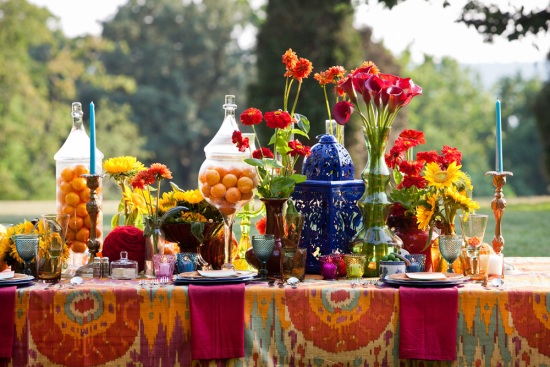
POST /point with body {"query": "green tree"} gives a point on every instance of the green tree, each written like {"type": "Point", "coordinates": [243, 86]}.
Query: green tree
{"type": "Point", "coordinates": [41, 73]}
{"type": "Point", "coordinates": [184, 57]}
{"type": "Point", "coordinates": [522, 143]}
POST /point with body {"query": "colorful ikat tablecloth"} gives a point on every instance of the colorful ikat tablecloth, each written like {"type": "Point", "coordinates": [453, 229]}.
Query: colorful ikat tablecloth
{"type": "Point", "coordinates": [320, 323]}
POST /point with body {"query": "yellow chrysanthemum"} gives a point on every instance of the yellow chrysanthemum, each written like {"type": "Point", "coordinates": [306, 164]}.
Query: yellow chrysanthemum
{"type": "Point", "coordinates": [439, 178]}
{"type": "Point", "coordinates": [424, 214]}
{"type": "Point", "coordinates": [190, 196]}
{"type": "Point", "coordinates": [126, 166]}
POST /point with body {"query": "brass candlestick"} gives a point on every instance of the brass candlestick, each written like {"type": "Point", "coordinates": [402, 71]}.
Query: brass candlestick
{"type": "Point", "coordinates": [498, 204]}
{"type": "Point", "coordinates": [93, 207]}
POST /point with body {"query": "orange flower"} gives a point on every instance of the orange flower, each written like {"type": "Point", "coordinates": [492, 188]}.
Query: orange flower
{"type": "Point", "coordinates": [301, 70]}
{"type": "Point", "coordinates": [290, 59]}
{"type": "Point", "coordinates": [160, 170]}
{"type": "Point", "coordinates": [260, 225]}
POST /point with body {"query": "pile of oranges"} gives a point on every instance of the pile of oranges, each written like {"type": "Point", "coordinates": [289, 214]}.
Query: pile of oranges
{"type": "Point", "coordinates": [226, 188]}
{"type": "Point", "coordinates": [72, 196]}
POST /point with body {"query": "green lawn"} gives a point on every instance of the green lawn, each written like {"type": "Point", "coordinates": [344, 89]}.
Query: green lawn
{"type": "Point", "coordinates": [523, 223]}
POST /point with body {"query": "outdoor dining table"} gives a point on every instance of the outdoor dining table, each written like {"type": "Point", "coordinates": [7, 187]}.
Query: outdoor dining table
{"type": "Point", "coordinates": [107, 322]}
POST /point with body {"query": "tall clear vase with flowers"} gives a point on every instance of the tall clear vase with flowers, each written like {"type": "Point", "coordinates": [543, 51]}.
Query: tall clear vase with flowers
{"type": "Point", "coordinates": [275, 166]}
{"type": "Point", "coordinates": [145, 181]}
{"type": "Point", "coordinates": [377, 98]}
{"type": "Point", "coordinates": [332, 76]}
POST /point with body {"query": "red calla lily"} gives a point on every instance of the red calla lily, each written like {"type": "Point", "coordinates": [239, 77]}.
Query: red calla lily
{"type": "Point", "coordinates": [342, 112]}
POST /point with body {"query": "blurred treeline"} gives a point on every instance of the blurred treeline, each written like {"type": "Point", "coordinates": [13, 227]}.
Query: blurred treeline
{"type": "Point", "coordinates": [159, 72]}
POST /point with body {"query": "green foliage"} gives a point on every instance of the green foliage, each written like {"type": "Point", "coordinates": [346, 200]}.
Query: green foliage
{"type": "Point", "coordinates": [522, 143]}
{"type": "Point", "coordinates": [542, 114]}
{"type": "Point", "coordinates": [184, 58]}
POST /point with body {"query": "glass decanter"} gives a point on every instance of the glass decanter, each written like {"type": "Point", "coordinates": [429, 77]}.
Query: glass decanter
{"type": "Point", "coordinates": [225, 180]}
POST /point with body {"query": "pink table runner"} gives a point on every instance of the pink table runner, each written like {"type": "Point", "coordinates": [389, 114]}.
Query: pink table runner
{"type": "Point", "coordinates": [217, 321]}
{"type": "Point", "coordinates": [427, 327]}
{"type": "Point", "coordinates": [7, 320]}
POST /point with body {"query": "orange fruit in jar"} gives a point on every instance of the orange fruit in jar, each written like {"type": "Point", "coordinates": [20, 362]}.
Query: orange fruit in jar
{"type": "Point", "coordinates": [68, 209]}
{"type": "Point", "coordinates": [61, 198]}
{"type": "Point", "coordinates": [202, 177]}
{"type": "Point", "coordinates": [229, 180]}
{"type": "Point", "coordinates": [222, 171]}
{"type": "Point", "coordinates": [78, 183]}
{"type": "Point", "coordinates": [72, 198]}
{"type": "Point", "coordinates": [218, 190]}
{"type": "Point", "coordinates": [245, 184]}
{"type": "Point", "coordinates": [78, 246]}
{"type": "Point", "coordinates": [85, 195]}
{"type": "Point", "coordinates": [227, 210]}
{"type": "Point", "coordinates": [205, 190]}
{"type": "Point", "coordinates": [249, 172]}
{"type": "Point", "coordinates": [81, 210]}
{"type": "Point", "coordinates": [70, 235]}
{"type": "Point", "coordinates": [233, 195]}
{"type": "Point", "coordinates": [236, 171]}
{"type": "Point", "coordinates": [247, 196]}
{"type": "Point", "coordinates": [75, 223]}
{"type": "Point", "coordinates": [212, 177]}
{"type": "Point", "coordinates": [67, 173]}
{"type": "Point", "coordinates": [87, 222]}
{"type": "Point", "coordinates": [83, 234]}
{"type": "Point", "coordinates": [98, 231]}
{"type": "Point", "coordinates": [65, 186]}
{"type": "Point", "coordinates": [80, 170]}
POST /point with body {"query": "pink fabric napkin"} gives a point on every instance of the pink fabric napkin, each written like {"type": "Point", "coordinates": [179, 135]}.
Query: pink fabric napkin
{"type": "Point", "coordinates": [217, 321]}
{"type": "Point", "coordinates": [7, 320]}
{"type": "Point", "coordinates": [427, 323]}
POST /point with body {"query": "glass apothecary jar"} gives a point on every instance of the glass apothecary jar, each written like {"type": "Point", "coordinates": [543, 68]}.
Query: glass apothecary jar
{"type": "Point", "coordinates": [226, 181]}
{"type": "Point", "coordinates": [72, 194]}
{"type": "Point", "coordinates": [124, 268]}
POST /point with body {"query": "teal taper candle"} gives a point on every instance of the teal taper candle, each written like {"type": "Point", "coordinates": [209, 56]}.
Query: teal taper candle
{"type": "Point", "coordinates": [92, 138]}
{"type": "Point", "coordinates": [499, 139]}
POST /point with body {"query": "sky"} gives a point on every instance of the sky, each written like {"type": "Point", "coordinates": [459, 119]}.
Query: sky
{"type": "Point", "coordinates": [423, 27]}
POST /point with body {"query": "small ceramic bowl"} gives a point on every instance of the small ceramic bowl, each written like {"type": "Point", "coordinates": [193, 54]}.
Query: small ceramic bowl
{"type": "Point", "coordinates": [392, 267]}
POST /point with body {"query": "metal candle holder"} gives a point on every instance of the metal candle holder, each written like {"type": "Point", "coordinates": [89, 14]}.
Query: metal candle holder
{"type": "Point", "coordinates": [498, 204]}
{"type": "Point", "coordinates": [93, 207]}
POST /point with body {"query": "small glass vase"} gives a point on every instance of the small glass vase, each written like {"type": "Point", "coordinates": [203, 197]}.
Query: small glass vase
{"type": "Point", "coordinates": [273, 206]}
{"type": "Point", "coordinates": [375, 239]}
{"type": "Point", "coordinates": [154, 244]}
{"type": "Point", "coordinates": [335, 129]}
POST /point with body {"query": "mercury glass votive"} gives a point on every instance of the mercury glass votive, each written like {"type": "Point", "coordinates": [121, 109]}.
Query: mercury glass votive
{"type": "Point", "coordinates": [355, 265]}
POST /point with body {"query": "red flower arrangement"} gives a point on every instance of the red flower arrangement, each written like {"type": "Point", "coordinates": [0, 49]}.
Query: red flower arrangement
{"type": "Point", "coordinates": [276, 176]}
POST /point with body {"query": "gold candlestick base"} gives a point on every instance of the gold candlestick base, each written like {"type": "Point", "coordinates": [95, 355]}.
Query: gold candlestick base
{"type": "Point", "coordinates": [498, 205]}
{"type": "Point", "coordinates": [93, 207]}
